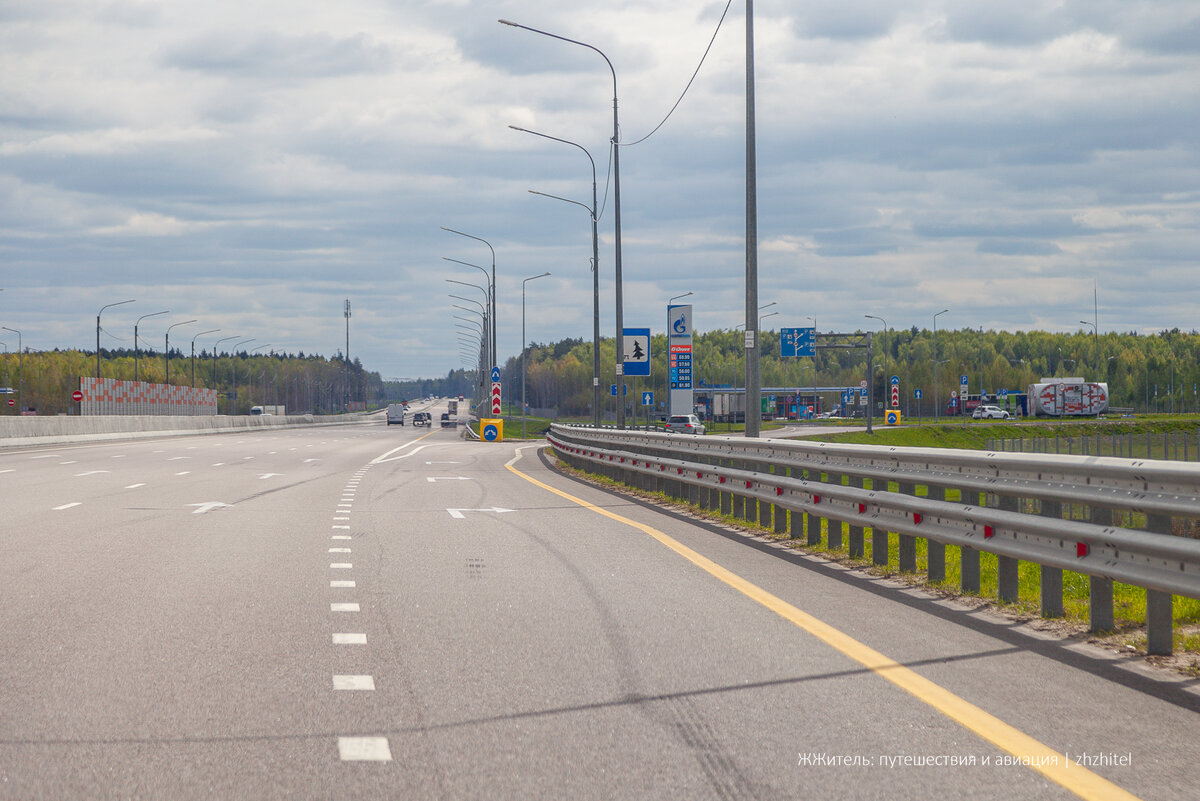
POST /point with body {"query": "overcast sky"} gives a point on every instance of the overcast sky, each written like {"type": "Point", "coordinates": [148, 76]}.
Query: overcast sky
{"type": "Point", "coordinates": [253, 164]}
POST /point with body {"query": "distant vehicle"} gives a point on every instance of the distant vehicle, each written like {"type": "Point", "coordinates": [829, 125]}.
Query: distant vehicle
{"type": "Point", "coordinates": [447, 421]}
{"type": "Point", "coordinates": [452, 406]}
{"type": "Point", "coordinates": [421, 419]}
{"type": "Point", "coordinates": [267, 410]}
{"type": "Point", "coordinates": [684, 424]}
{"type": "Point", "coordinates": [1072, 397]}
{"type": "Point", "coordinates": [989, 413]}
{"type": "Point", "coordinates": [395, 414]}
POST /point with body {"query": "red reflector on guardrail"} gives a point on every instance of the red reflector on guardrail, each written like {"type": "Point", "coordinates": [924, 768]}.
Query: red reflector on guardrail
{"type": "Point", "coordinates": [722, 479]}
{"type": "Point", "coordinates": [816, 499]}
{"type": "Point", "coordinates": [862, 508]}
{"type": "Point", "coordinates": [988, 532]}
{"type": "Point", "coordinates": [779, 490]}
{"type": "Point", "coordinates": [917, 517]}
{"type": "Point", "coordinates": [1082, 549]}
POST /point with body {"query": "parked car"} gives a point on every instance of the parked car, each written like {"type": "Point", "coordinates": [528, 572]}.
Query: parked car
{"type": "Point", "coordinates": [989, 413]}
{"type": "Point", "coordinates": [684, 424]}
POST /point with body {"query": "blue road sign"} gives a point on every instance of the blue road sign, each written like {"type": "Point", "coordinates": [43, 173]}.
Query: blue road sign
{"type": "Point", "coordinates": [636, 355]}
{"type": "Point", "coordinates": [895, 380]}
{"type": "Point", "coordinates": [647, 398]}
{"type": "Point", "coordinates": [797, 342]}
{"type": "Point", "coordinates": [495, 375]}
{"type": "Point", "coordinates": [916, 394]}
{"type": "Point", "coordinates": [490, 432]}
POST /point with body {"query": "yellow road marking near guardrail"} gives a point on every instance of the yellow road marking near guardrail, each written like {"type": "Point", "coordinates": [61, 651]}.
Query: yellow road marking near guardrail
{"type": "Point", "coordinates": [1055, 766]}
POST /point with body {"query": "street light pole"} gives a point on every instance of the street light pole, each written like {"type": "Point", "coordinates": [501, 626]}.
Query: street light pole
{"type": "Point", "coordinates": [136, 346]}
{"type": "Point", "coordinates": [524, 348]}
{"type": "Point", "coordinates": [215, 381]}
{"type": "Point", "coordinates": [102, 308]}
{"type": "Point", "coordinates": [616, 158]}
{"type": "Point", "coordinates": [489, 300]}
{"type": "Point", "coordinates": [20, 367]}
{"type": "Point", "coordinates": [936, 398]}
{"type": "Point", "coordinates": [167, 347]}
{"type": "Point", "coordinates": [202, 333]}
{"type": "Point", "coordinates": [495, 354]}
{"type": "Point", "coordinates": [753, 365]}
{"type": "Point", "coordinates": [595, 270]}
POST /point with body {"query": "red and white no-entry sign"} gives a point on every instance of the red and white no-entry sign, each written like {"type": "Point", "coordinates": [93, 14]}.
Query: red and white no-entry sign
{"type": "Point", "coordinates": [76, 396]}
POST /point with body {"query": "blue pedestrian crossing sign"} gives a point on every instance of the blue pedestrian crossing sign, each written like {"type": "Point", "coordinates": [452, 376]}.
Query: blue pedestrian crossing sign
{"type": "Point", "coordinates": [647, 398]}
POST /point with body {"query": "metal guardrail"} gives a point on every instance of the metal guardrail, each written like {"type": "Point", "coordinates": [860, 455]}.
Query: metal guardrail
{"type": "Point", "coordinates": [1011, 506]}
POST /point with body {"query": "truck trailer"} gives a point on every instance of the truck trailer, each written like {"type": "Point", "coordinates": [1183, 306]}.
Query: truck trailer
{"type": "Point", "coordinates": [1067, 397]}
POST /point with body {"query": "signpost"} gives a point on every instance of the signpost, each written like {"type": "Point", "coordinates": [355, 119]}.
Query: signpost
{"type": "Point", "coordinates": [496, 392]}
{"type": "Point", "coordinates": [797, 342]}
{"type": "Point", "coordinates": [679, 360]}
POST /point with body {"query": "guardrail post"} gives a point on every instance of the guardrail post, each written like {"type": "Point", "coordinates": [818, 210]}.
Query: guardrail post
{"type": "Point", "coordinates": [906, 543]}
{"type": "Point", "coordinates": [1160, 633]}
{"type": "Point", "coordinates": [834, 527]}
{"type": "Point", "coordinates": [726, 497]}
{"type": "Point", "coordinates": [781, 512]}
{"type": "Point", "coordinates": [812, 522]}
{"type": "Point", "coordinates": [1100, 589]}
{"type": "Point", "coordinates": [1007, 568]}
{"type": "Point", "coordinates": [936, 551]}
{"type": "Point", "coordinates": [765, 509]}
{"type": "Point", "coordinates": [1052, 577]}
{"type": "Point", "coordinates": [855, 533]}
{"type": "Point", "coordinates": [879, 539]}
{"type": "Point", "coordinates": [739, 501]}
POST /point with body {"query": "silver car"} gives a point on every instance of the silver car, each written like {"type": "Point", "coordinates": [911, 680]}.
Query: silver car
{"type": "Point", "coordinates": [684, 424]}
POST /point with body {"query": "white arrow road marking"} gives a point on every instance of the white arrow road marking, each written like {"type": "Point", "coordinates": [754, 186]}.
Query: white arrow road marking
{"type": "Point", "coordinates": [207, 506]}
{"type": "Point", "coordinates": [457, 514]}
{"type": "Point", "coordinates": [270, 475]}
{"type": "Point", "coordinates": [432, 479]}
{"type": "Point", "coordinates": [384, 457]}
{"type": "Point", "coordinates": [91, 473]}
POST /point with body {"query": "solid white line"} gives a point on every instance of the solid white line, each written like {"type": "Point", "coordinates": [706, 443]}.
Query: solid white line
{"type": "Point", "coordinates": [66, 506]}
{"type": "Point", "coordinates": [349, 639]}
{"type": "Point", "coordinates": [338, 585]}
{"type": "Point", "coordinates": [344, 608]}
{"type": "Point", "coordinates": [364, 749]}
{"type": "Point", "coordinates": [353, 683]}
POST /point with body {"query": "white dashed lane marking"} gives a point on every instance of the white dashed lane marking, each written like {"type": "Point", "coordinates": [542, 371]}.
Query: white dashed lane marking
{"type": "Point", "coordinates": [349, 639]}
{"type": "Point", "coordinates": [333, 585]}
{"type": "Point", "coordinates": [364, 749]}
{"type": "Point", "coordinates": [341, 565]}
{"type": "Point", "coordinates": [345, 607]}
{"type": "Point", "coordinates": [354, 682]}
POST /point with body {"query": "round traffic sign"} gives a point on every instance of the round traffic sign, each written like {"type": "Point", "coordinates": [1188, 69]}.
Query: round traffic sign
{"type": "Point", "coordinates": [76, 395]}
{"type": "Point", "coordinates": [490, 432]}
{"type": "Point", "coordinates": [12, 402]}
{"type": "Point", "coordinates": [953, 394]}
{"type": "Point", "coordinates": [895, 380]}
{"type": "Point", "coordinates": [863, 384]}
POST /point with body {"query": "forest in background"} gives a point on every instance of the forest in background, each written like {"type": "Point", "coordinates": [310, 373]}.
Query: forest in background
{"type": "Point", "coordinates": [1158, 372]}
{"type": "Point", "coordinates": [313, 384]}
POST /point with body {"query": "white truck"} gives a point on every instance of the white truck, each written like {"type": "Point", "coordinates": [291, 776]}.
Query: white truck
{"type": "Point", "coordinates": [395, 413]}
{"type": "Point", "coordinates": [1069, 397]}
{"type": "Point", "coordinates": [262, 410]}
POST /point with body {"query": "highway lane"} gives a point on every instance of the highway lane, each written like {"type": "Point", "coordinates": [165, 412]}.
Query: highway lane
{"type": "Point", "coordinates": [366, 618]}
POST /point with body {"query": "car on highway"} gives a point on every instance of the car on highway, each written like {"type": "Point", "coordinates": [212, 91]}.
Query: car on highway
{"type": "Point", "coordinates": [447, 422]}
{"type": "Point", "coordinates": [684, 424]}
{"type": "Point", "coordinates": [989, 413]}
{"type": "Point", "coordinates": [421, 418]}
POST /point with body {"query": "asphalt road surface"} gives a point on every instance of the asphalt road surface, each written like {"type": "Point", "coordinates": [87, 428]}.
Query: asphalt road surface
{"type": "Point", "coordinates": [372, 612]}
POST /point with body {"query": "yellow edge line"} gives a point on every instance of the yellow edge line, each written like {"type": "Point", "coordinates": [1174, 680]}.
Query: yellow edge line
{"type": "Point", "coordinates": [1055, 766]}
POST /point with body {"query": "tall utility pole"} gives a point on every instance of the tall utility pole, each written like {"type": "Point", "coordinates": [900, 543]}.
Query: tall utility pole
{"type": "Point", "coordinates": [346, 364]}
{"type": "Point", "coordinates": [753, 371]}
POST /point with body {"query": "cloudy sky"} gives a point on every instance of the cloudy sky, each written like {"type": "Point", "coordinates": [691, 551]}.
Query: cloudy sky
{"type": "Point", "coordinates": [253, 164]}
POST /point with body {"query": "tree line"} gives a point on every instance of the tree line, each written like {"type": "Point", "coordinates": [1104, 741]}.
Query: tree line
{"type": "Point", "coordinates": [304, 384]}
{"type": "Point", "coordinates": [1159, 372]}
